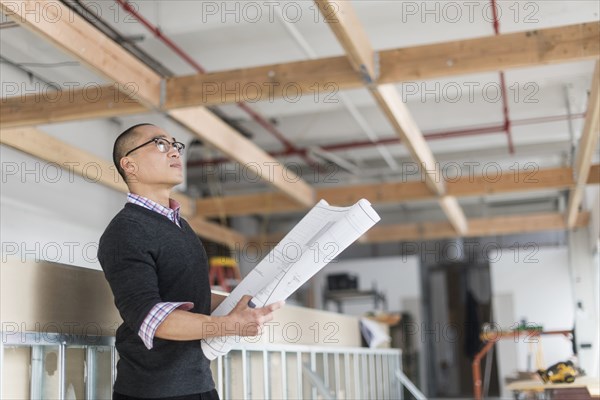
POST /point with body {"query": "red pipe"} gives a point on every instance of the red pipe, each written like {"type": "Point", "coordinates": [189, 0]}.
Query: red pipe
{"type": "Point", "coordinates": [289, 146]}
{"type": "Point", "coordinates": [262, 121]}
{"type": "Point", "coordinates": [507, 123]}
{"type": "Point", "coordinates": [395, 140]}
{"type": "Point", "coordinates": [157, 32]}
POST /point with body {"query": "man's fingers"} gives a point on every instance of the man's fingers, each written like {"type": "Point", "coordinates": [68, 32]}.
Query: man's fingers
{"type": "Point", "coordinates": [245, 298]}
{"type": "Point", "coordinates": [244, 301]}
{"type": "Point", "coordinates": [276, 306]}
{"type": "Point", "coordinates": [270, 308]}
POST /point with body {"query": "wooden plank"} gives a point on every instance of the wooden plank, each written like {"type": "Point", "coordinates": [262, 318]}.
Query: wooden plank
{"type": "Point", "coordinates": [455, 214]}
{"type": "Point", "coordinates": [247, 204]}
{"type": "Point", "coordinates": [69, 32]}
{"type": "Point", "coordinates": [391, 103]}
{"type": "Point", "coordinates": [49, 107]}
{"type": "Point", "coordinates": [328, 75]}
{"type": "Point", "coordinates": [96, 170]}
{"type": "Point", "coordinates": [588, 144]}
{"type": "Point", "coordinates": [594, 176]}
{"type": "Point", "coordinates": [389, 100]}
{"type": "Point", "coordinates": [343, 21]}
{"type": "Point", "coordinates": [215, 132]}
{"type": "Point", "coordinates": [47, 148]}
{"type": "Point", "coordinates": [478, 227]}
{"type": "Point", "coordinates": [492, 53]}
{"type": "Point", "coordinates": [469, 56]}
{"type": "Point", "coordinates": [317, 78]}
{"type": "Point", "coordinates": [509, 181]}
{"type": "Point", "coordinates": [430, 230]}
{"type": "Point", "coordinates": [217, 233]}
{"type": "Point", "coordinates": [496, 181]}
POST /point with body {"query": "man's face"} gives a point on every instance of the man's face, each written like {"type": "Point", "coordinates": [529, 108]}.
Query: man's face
{"type": "Point", "coordinates": [147, 165]}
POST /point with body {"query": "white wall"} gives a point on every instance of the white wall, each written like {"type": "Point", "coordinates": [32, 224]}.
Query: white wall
{"type": "Point", "coordinates": [50, 214]}
{"type": "Point", "coordinates": [397, 277]}
{"type": "Point", "coordinates": [538, 284]}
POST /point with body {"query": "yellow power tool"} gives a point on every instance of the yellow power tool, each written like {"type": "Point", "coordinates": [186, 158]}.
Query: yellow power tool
{"type": "Point", "coordinates": [561, 372]}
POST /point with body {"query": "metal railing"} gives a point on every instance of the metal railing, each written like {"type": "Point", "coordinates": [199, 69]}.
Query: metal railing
{"type": "Point", "coordinates": [48, 365]}
{"type": "Point", "coordinates": [248, 371]}
{"type": "Point", "coordinates": [282, 371]}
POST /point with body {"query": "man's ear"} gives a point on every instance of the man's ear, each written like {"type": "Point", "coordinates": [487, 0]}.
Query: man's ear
{"type": "Point", "coordinates": [130, 167]}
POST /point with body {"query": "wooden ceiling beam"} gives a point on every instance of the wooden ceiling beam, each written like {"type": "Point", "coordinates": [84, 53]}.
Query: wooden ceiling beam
{"type": "Point", "coordinates": [218, 134]}
{"type": "Point", "coordinates": [478, 227]}
{"type": "Point", "coordinates": [468, 56]}
{"type": "Point", "coordinates": [327, 75]}
{"type": "Point", "coordinates": [54, 22]}
{"type": "Point", "coordinates": [399, 116]}
{"type": "Point", "coordinates": [428, 230]}
{"type": "Point", "coordinates": [508, 181]}
{"type": "Point", "coordinates": [52, 106]}
{"type": "Point", "coordinates": [96, 170]}
{"type": "Point", "coordinates": [80, 39]}
{"type": "Point", "coordinates": [588, 143]}
{"type": "Point", "coordinates": [344, 23]}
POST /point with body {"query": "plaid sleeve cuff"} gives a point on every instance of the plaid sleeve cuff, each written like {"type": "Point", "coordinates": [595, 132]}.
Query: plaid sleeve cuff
{"type": "Point", "coordinates": [155, 317]}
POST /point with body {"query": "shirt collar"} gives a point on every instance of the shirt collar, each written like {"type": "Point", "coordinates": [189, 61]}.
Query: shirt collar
{"type": "Point", "coordinates": [172, 211]}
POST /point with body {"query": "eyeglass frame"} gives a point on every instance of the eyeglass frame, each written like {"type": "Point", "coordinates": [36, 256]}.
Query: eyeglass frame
{"type": "Point", "coordinates": [155, 140]}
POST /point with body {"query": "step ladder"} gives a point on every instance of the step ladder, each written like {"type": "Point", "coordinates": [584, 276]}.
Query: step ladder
{"type": "Point", "coordinates": [224, 273]}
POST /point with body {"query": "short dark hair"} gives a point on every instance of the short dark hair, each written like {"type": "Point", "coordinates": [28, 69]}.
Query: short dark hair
{"type": "Point", "coordinates": [120, 147]}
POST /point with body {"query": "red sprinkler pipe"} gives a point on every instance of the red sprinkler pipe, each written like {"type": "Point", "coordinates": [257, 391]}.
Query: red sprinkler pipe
{"type": "Point", "coordinates": [262, 121]}
{"type": "Point", "coordinates": [474, 131]}
{"type": "Point", "coordinates": [507, 123]}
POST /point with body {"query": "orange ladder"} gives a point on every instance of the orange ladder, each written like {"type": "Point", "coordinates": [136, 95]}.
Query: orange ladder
{"type": "Point", "coordinates": [224, 273]}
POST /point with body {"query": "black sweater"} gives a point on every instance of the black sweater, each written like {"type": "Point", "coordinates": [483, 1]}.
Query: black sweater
{"type": "Point", "coordinates": [147, 259]}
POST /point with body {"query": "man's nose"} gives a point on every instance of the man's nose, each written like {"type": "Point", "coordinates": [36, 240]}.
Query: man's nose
{"type": "Point", "coordinates": [173, 152]}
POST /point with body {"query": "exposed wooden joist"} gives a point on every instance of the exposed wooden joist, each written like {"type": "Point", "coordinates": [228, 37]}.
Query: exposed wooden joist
{"type": "Point", "coordinates": [220, 135]}
{"type": "Point", "coordinates": [77, 37]}
{"type": "Point", "coordinates": [66, 105]}
{"type": "Point", "coordinates": [508, 181]}
{"type": "Point", "coordinates": [491, 53]}
{"type": "Point", "coordinates": [455, 214]}
{"type": "Point", "coordinates": [38, 144]}
{"type": "Point", "coordinates": [587, 147]}
{"type": "Point", "coordinates": [478, 227]}
{"type": "Point", "coordinates": [342, 19]}
{"type": "Point", "coordinates": [74, 35]}
{"type": "Point", "coordinates": [96, 170]}
{"type": "Point", "coordinates": [308, 77]}
{"type": "Point", "coordinates": [217, 233]}
{"type": "Point", "coordinates": [390, 102]}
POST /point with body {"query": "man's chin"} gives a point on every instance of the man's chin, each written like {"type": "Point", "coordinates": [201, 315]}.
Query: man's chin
{"type": "Point", "coordinates": [175, 181]}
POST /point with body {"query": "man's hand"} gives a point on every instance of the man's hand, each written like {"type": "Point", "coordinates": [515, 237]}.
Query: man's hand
{"type": "Point", "coordinates": [241, 321]}
{"type": "Point", "coordinates": [248, 321]}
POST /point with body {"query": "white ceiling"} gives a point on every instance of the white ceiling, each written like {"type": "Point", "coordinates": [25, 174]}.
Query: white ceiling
{"type": "Point", "coordinates": [252, 34]}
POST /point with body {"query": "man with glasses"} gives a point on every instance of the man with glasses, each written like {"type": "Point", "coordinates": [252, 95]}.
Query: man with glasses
{"type": "Point", "coordinates": [158, 272]}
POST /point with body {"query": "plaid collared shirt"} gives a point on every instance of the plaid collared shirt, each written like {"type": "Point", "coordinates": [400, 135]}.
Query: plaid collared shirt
{"type": "Point", "coordinates": [171, 212]}
{"type": "Point", "coordinates": [160, 311]}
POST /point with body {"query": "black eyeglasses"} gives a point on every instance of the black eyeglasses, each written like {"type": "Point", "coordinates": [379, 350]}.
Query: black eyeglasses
{"type": "Point", "coordinates": [162, 144]}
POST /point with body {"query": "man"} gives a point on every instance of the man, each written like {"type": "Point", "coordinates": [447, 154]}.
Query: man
{"type": "Point", "coordinates": [158, 272]}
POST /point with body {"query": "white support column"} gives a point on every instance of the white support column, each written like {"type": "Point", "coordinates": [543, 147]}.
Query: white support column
{"type": "Point", "coordinates": [584, 274]}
